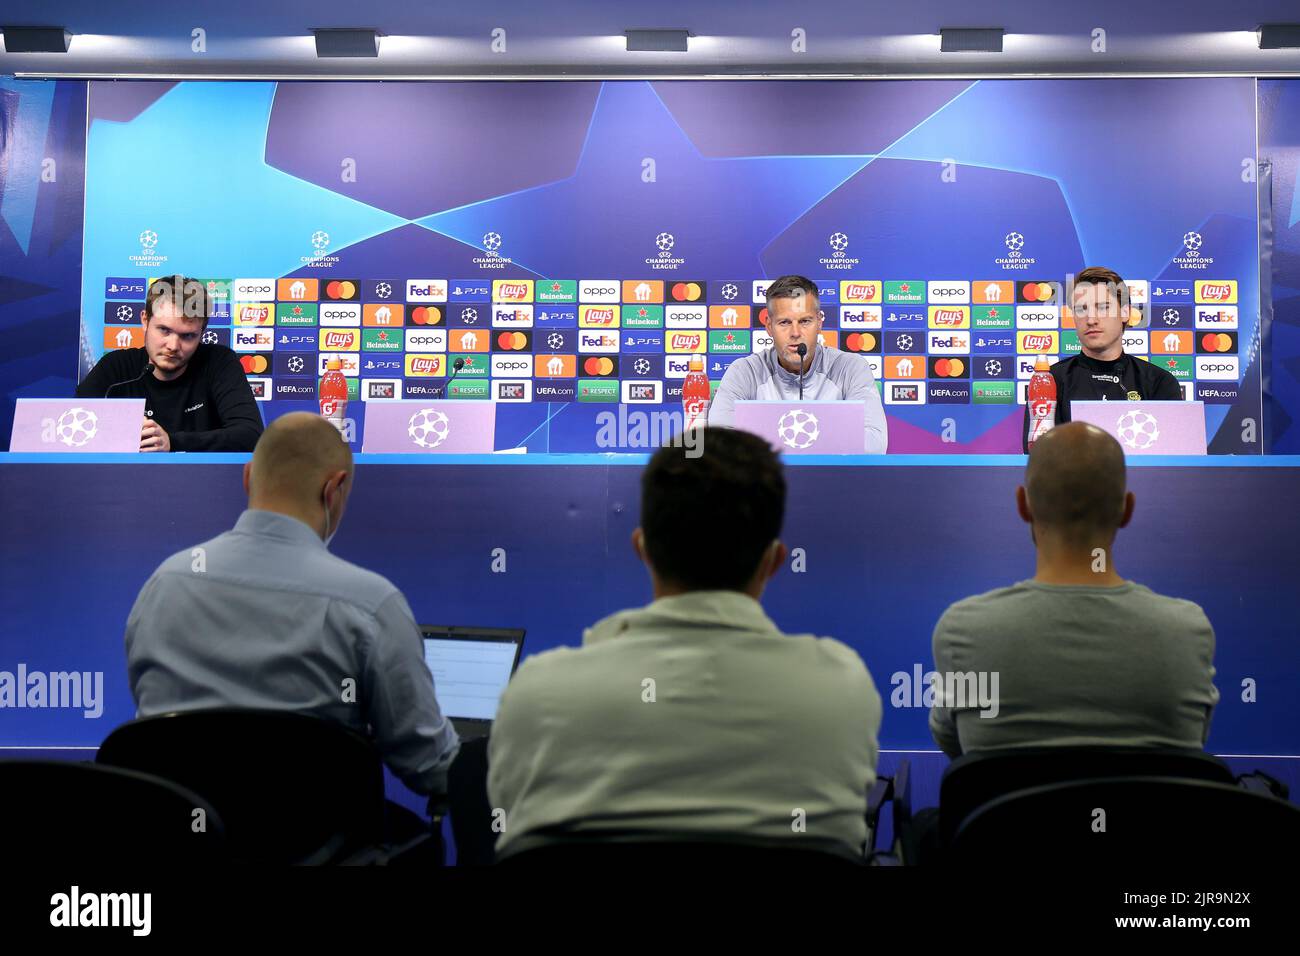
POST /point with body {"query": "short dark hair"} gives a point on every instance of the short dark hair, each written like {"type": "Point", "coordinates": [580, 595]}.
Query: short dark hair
{"type": "Point", "coordinates": [1100, 275]}
{"type": "Point", "coordinates": [190, 296]}
{"type": "Point", "coordinates": [791, 287]}
{"type": "Point", "coordinates": [708, 519]}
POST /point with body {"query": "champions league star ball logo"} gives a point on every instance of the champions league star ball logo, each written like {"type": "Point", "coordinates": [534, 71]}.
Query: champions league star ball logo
{"type": "Point", "coordinates": [491, 241]}
{"type": "Point", "coordinates": [124, 313]}
{"type": "Point", "coordinates": [76, 426]}
{"type": "Point", "coordinates": [641, 366]}
{"type": "Point", "coordinates": [469, 315]}
{"type": "Point", "coordinates": [295, 364]}
{"type": "Point", "coordinates": [730, 291]}
{"type": "Point", "coordinates": [554, 341]}
{"type": "Point", "coordinates": [428, 428]}
{"type": "Point", "coordinates": [992, 367]}
{"type": "Point", "coordinates": [798, 429]}
{"type": "Point", "coordinates": [904, 343]}
{"type": "Point", "coordinates": [1192, 241]}
{"type": "Point", "coordinates": [1137, 429]}
{"type": "Point", "coordinates": [839, 242]}
{"type": "Point", "coordinates": [1170, 316]}
{"type": "Point", "coordinates": [148, 239]}
{"type": "Point", "coordinates": [210, 337]}
{"type": "Point", "coordinates": [664, 242]}
{"type": "Point", "coordinates": [1014, 242]}
{"type": "Point", "coordinates": [383, 290]}
{"type": "Point", "coordinates": [320, 240]}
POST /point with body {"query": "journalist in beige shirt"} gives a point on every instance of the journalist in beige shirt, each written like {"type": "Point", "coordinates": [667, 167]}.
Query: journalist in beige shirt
{"type": "Point", "coordinates": [693, 715]}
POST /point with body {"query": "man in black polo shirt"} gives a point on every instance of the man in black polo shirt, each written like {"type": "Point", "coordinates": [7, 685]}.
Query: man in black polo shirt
{"type": "Point", "coordinates": [196, 396]}
{"type": "Point", "coordinates": [1101, 372]}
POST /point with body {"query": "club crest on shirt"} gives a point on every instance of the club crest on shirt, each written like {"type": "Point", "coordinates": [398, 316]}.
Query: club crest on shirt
{"type": "Point", "coordinates": [1134, 396]}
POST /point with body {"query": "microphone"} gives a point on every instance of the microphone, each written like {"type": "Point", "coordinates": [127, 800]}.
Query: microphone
{"type": "Point", "coordinates": [460, 364]}
{"type": "Point", "coordinates": [802, 350]}
{"type": "Point", "coordinates": [148, 367]}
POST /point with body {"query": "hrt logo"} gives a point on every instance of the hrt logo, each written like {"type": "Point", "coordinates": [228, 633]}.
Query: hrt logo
{"type": "Point", "coordinates": [380, 389]}
{"type": "Point", "coordinates": [510, 391]}
{"type": "Point", "coordinates": [904, 393]}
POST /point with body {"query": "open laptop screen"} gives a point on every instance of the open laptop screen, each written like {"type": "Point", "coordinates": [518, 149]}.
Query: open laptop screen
{"type": "Point", "coordinates": [471, 667]}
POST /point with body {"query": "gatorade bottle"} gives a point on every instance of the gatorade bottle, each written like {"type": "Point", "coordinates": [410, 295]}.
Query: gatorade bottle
{"type": "Point", "coordinates": [334, 394]}
{"type": "Point", "coordinates": [695, 394]}
{"type": "Point", "coordinates": [1042, 401]}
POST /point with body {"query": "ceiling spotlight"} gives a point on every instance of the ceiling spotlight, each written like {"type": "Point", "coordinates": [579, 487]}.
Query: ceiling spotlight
{"type": "Point", "coordinates": [346, 42]}
{"type": "Point", "coordinates": [656, 41]}
{"type": "Point", "coordinates": [970, 40]}
{"type": "Point", "coordinates": [36, 39]}
{"type": "Point", "coordinates": [1279, 36]}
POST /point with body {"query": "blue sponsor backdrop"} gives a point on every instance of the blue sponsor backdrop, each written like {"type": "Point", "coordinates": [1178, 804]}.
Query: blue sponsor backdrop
{"type": "Point", "coordinates": [874, 174]}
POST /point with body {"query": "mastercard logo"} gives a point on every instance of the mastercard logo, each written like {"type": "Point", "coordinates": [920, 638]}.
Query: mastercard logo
{"type": "Point", "coordinates": [1037, 292]}
{"type": "Point", "coordinates": [686, 292]}
{"type": "Point", "coordinates": [1216, 342]}
{"type": "Point", "coordinates": [860, 342]}
{"type": "Point", "coordinates": [426, 315]}
{"type": "Point", "coordinates": [340, 289]}
{"type": "Point", "coordinates": [254, 364]}
{"type": "Point", "coordinates": [598, 365]}
{"type": "Point", "coordinates": [949, 368]}
{"type": "Point", "coordinates": [512, 341]}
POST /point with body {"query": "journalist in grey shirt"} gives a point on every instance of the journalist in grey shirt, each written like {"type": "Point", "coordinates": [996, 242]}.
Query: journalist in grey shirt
{"type": "Point", "coordinates": [1075, 665]}
{"type": "Point", "coordinates": [833, 376]}
{"type": "Point", "coordinates": [264, 616]}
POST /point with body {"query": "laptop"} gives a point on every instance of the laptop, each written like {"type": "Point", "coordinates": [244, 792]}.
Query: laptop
{"type": "Point", "coordinates": [806, 428]}
{"type": "Point", "coordinates": [471, 667]}
{"type": "Point", "coordinates": [1148, 428]}
{"type": "Point", "coordinates": [436, 427]}
{"type": "Point", "coordinates": [72, 425]}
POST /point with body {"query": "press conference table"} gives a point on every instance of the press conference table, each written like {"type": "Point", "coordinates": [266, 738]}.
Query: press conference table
{"type": "Point", "coordinates": [885, 543]}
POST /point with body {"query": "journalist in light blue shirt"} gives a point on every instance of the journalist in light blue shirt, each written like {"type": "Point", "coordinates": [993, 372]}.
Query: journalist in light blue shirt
{"type": "Point", "coordinates": [264, 616]}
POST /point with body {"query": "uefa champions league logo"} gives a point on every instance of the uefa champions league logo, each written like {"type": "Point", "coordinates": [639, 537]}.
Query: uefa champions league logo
{"type": "Point", "coordinates": [1014, 242]}
{"type": "Point", "coordinates": [664, 242]}
{"type": "Point", "coordinates": [76, 427]}
{"type": "Point", "coordinates": [993, 368]}
{"type": "Point", "coordinates": [1015, 258]}
{"type": "Point", "coordinates": [428, 428]}
{"type": "Point", "coordinates": [798, 429]}
{"type": "Point", "coordinates": [320, 240]}
{"type": "Point", "coordinates": [904, 343]}
{"type": "Point", "coordinates": [491, 241]}
{"type": "Point", "coordinates": [1137, 429]}
{"type": "Point", "coordinates": [148, 256]}
{"type": "Point", "coordinates": [839, 243]}
{"type": "Point", "coordinates": [383, 290]}
{"type": "Point", "coordinates": [1192, 258]}
{"type": "Point", "coordinates": [491, 244]}
{"type": "Point", "coordinates": [1192, 241]}
{"type": "Point", "coordinates": [469, 315]}
{"type": "Point", "coordinates": [125, 313]}
{"type": "Point", "coordinates": [148, 240]}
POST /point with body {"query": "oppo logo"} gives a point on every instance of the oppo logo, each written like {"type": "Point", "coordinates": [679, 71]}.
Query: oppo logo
{"type": "Point", "coordinates": [940, 291]}
{"type": "Point", "coordinates": [338, 313]}
{"type": "Point", "coordinates": [600, 289]}
{"type": "Point", "coordinates": [1217, 367]}
{"type": "Point", "coordinates": [1037, 316]}
{"type": "Point", "coordinates": [509, 365]}
{"type": "Point", "coordinates": [422, 340]}
{"type": "Point", "coordinates": [256, 288]}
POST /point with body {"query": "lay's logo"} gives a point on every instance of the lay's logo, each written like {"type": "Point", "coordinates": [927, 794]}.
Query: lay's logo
{"type": "Point", "coordinates": [1037, 343]}
{"type": "Point", "coordinates": [253, 315]}
{"type": "Point", "coordinates": [340, 340]}
{"type": "Point", "coordinates": [680, 342]}
{"type": "Point", "coordinates": [424, 365]}
{"type": "Point", "coordinates": [512, 291]}
{"type": "Point", "coordinates": [597, 317]}
{"type": "Point", "coordinates": [1209, 291]}
{"type": "Point", "coordinates": [859, 292]}
{"type": "Point", "coordinates": [949, 317]}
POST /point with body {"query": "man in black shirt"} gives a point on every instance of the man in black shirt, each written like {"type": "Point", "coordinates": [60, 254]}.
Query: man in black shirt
{"type": "Point", "coordinates": [196, 396]}
{"type": "Point", "coordinates": [1101, 372]}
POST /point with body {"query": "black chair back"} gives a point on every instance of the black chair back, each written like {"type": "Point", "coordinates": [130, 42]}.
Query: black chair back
{"type": "Point", "coordinates": [468, 805]}
{"type": "Point", "coordinates": [84, 814]}
{"type": "Point", "coordinates": [1129, 821]}
{"type": "Point", "coordinates": [683, 852]}
{"type": "Point", "coordinates": [292, 789]}
{"type": "Point", "coordinates": [976, 778]}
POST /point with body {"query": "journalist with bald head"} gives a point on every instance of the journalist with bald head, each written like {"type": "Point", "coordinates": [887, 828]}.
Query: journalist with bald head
{"type": "Point", "coordinates": [1081, 655]}
{"type": "Point", "coordinates": [264, 616]}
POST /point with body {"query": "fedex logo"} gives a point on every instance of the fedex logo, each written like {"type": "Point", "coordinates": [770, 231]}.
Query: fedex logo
{"type": "Point", "coordinates": [1025, 365]}
{"type": "Point", "coordinates": [598, 342]}
{"type": "Point", "coordinates": [515, 317]}
{"type": "Point", "coordinates": [426, 290]}
{"type": "Point", "coordinates": [349, 363]}
{"type": "Point", "coordinates": [676, 367]}
{"type": "Point", "coordinates": [861, 317]}
{"type": "Point", "coordinates": [949, 343]}
{"type": "Point", "coordinates": [1216, 317]}
{"type": "Point", "coordinates": [252, 340]}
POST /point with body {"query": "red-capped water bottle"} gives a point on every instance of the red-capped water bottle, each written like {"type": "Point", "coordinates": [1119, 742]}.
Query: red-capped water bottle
{"type": "Point", "coordinates": [1042, 401]}
{"type": "Point", "coordinates": [334, 394]}
{"type": "Point", "coordinates": [695, 395]}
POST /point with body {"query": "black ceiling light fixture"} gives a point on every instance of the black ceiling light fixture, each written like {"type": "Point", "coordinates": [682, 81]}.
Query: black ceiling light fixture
{"type": "Point", "coordinates": [36, 39]}
{"type": "Point", "coordinates": [971, 39]}
{"type": "Point", "coordinates": [333, 42]}
{"type": "Point", "coordinates": [1279, 36]}
{"type": "Point", "coordinates": [656, 41]}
